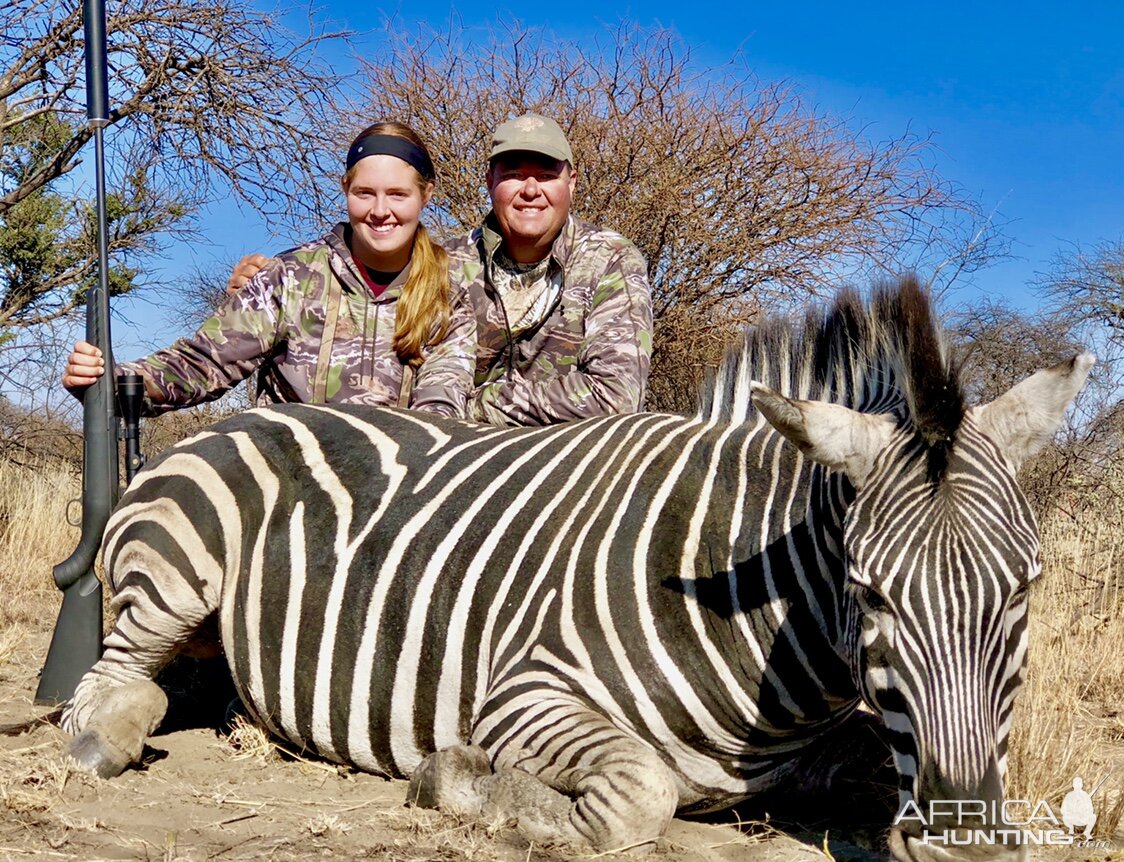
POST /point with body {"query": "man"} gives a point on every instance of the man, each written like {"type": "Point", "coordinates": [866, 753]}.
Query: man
{"type": "Point", "coordinates": [563, 308]}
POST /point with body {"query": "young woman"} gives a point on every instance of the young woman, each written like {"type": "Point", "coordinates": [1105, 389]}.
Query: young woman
{"type": "Point", "coordinates": [363, 315]}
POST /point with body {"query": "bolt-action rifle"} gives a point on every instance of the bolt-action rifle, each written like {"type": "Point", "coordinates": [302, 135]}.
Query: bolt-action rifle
{"type": "Point", "coordinates": [76, 643]}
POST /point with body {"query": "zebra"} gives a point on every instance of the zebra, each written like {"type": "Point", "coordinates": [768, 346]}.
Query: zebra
{"type": "Point", "coordinates": [590, 627]}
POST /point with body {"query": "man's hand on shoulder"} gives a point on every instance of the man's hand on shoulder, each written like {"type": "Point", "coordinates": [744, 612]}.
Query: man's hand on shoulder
{"type": "Point", "coordinates": [243, 271]}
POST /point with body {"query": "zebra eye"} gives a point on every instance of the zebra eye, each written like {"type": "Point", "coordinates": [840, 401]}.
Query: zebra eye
{"type": "Point", "coordinates": [872, 599]}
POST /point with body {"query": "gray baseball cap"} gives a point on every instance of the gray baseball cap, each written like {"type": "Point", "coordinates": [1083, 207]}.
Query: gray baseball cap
{"type": "Point", "coordinates": [534, 134]}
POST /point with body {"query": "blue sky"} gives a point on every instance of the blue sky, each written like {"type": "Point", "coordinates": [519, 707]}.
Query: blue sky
{"type": "Point", "coordinates": [1025, 101]}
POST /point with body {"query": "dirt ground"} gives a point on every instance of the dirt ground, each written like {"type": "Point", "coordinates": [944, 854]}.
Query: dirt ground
{"type": "Point", "coordinates": [198, 797]}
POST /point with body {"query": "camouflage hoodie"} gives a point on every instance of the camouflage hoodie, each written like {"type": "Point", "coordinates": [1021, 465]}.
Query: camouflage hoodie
{"type": "Point", "coordinates": [277, 323]}
{"type": "Point", "coordinates": [588, 357]}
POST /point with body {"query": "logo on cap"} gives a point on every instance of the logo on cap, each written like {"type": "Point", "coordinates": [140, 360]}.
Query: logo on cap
{"type": "Point", "coordinates": [529, 124]}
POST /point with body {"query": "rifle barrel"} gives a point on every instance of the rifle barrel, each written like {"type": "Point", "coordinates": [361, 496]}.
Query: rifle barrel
{"type": "Point", "coordinates": [76, 644]}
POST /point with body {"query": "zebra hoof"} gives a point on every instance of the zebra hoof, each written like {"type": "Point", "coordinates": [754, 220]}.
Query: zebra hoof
{"type": "Point", "coordinates": [91, 752]}
{"type": "Point", "coordinates": [114, 737]}
{"type": "Point", "coordinates": [446, 780]}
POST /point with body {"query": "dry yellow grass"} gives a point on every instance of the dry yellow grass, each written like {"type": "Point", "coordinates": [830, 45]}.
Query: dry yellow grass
{"type": "Point", "coordinates": [34, 536]}
{"type": "Point", "coordinates": [249, 741]}
{"type": "Point", "coordinates": [1069, 720]}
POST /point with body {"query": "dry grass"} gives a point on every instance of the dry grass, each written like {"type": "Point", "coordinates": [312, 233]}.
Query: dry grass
{"type": "Point", "coordinates": [34, 779]}
{"type": "Point", "coordinates": [1069, 720]}
{"type": "Point", "coordinates": [249, 741]}
{"type": "Point", "coordinates": [424, 834]}
{"type": "Point", "coordinates": [11, 639]}
{"type": "Point", "coordinates": [34, 536]}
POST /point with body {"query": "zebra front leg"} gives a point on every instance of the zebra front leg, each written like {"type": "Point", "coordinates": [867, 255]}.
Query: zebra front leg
{"type": "Point", "coordinates": [116, 705]}
{"type": "Point", "coordinates": [567, 776]}
{"type": "Point", "coordinates": [623, 793]}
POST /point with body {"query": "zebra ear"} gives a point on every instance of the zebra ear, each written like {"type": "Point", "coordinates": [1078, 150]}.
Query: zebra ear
{"type": "Point", "coordinates": [1024, 418]}
{"type": "Point", "coordinates": [830, 434]}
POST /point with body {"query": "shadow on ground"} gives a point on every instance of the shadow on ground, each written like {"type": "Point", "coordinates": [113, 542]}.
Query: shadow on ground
{"type": "Point", "coordinates": [841, 798]}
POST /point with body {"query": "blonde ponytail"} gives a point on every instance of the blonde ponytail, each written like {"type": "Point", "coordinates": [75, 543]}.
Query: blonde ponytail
{"type": "Point", "coordinates": [423, 311]}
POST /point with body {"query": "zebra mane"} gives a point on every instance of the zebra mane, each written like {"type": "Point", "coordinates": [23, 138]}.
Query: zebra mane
{"type": "Point", "coordinates": [885, 355]}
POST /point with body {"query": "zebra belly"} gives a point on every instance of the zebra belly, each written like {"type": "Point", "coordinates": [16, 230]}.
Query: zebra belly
{"type": "Point", "coordinates": [377, 576]}
{"type": "Point", "coordinates": [334, 629]}
{"type": "Point", "coordinates": [390, 582]}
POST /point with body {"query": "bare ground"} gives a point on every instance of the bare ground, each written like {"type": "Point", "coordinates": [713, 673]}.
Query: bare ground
{"type": "Point", "coordinates": [198, 797]}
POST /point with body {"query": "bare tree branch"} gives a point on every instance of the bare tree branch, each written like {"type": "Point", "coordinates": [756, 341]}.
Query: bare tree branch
{"type": "Point", "coordinates": [208, 99]}
{"type": "Point", "coordinates": [1087, 285]}
{"type": "Point", "coordinates": [738, 194]}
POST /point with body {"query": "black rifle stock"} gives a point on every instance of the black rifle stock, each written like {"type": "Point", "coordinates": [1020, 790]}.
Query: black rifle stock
{"type": "Point", "coordinates": [76, 643]}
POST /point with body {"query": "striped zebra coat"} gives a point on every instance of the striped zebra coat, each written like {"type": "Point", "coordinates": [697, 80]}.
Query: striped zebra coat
{"type": "Point", "coordinates": [591, 626]}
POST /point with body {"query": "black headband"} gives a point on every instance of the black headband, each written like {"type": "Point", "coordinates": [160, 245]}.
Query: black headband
{"type": "Point", "coordinates": [391, 145]}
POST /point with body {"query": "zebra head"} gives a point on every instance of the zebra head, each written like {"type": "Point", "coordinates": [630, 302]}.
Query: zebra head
{"type": "Point", "coordinates": [940, 546]}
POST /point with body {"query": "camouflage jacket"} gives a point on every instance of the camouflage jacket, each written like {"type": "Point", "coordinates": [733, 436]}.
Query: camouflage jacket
{"type": "Point", "coordinates": [277, 324]}
{"type": "Point", "coordinates": [588, 357]}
